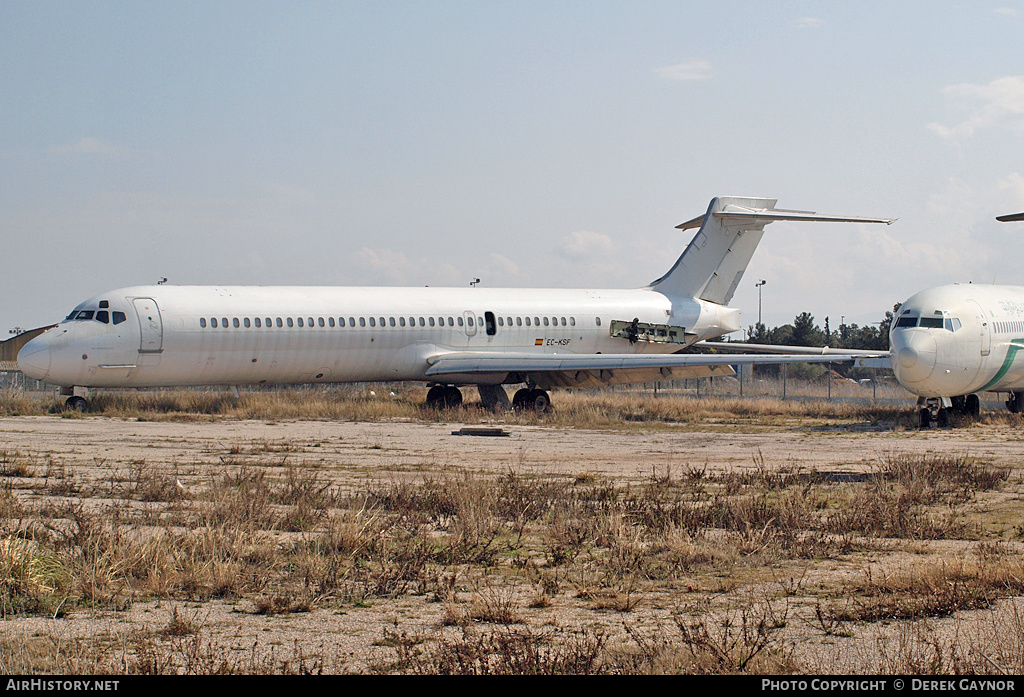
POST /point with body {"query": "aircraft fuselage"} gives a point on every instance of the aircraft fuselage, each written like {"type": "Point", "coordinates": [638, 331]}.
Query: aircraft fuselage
{"type": "Point", "coordinates": [162, 335]}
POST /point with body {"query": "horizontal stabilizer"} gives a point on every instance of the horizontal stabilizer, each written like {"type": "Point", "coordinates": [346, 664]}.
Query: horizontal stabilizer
{"type": "Point", "coordinates": [1010, 218]}
{"type": "Point", "coordinates": [711, 266]}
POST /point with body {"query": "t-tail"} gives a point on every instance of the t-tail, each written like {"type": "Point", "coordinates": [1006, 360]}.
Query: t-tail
{"type": "Point", "coordinates": [711, 266]}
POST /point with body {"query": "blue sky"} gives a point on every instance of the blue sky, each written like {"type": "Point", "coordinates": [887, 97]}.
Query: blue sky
{"type": "Point", "coordinates": [523, 143]}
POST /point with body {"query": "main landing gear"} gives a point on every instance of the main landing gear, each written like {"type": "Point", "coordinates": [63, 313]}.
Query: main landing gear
{"type": "Point", "coordinates": [491, 397]}
{"type": "Point", "coordinates": [937, 410]}
{"type": "Point", "coordinates": [533, 399]}
{"type": "Point", "coordinates": [444, 397]}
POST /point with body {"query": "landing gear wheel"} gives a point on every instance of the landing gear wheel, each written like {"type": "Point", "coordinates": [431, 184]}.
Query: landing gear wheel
{"type": "Point", "coordinates": [1014, 402]}
{"type": "Point", "coordinates": [972, 406]}
{"type": "Point", "coordinates": [434, 396]}
{"type": "Point", "coordinates": [534, 400]}
{"type": "Point", "coordinates": [520, 398]}
{"type": "Point", "coordinates": [451, 398]}
{"type": "Point", "coordinates": [540, 401]}
{"type": "Point", "coordinates": [75, 404]}
{"type": "Point", "coordinates": [942, 419]}
{"type": "Point", "coordinates": [926, 418]}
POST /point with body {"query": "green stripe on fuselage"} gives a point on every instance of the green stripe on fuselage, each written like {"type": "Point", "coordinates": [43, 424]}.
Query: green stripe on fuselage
{"type": "Point", "coordinates": [1011, 353]}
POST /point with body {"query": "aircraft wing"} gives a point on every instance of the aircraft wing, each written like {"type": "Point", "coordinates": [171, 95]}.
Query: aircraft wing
{"type": "Point", "coordinates": [1010, 218]}
{"type": "Point", "coordinates": [863, 358]}
{"type": "Point", "coordinates": [579, 370]}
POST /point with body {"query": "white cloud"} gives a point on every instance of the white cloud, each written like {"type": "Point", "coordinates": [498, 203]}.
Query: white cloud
{"type": "Point", "coordinates": [694, 70]}
{"type": "Point", "coordinates": [89, 146]}
{"type": "Point", "coordinates": [585, 245]}
{"type": "Point", "coordinates": [809, 23]}
{"type": "Point", "coordinates": [999, 104]}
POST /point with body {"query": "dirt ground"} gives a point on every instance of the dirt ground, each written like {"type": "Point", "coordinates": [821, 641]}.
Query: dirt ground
{"type": "Point", "coordinates": [348, 453]}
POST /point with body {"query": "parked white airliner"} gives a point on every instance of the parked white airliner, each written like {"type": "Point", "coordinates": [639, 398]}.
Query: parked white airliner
{"type": "Point", "coordinates": [951, 342]}
{"type": "Point", "coordinates": [149, 336]}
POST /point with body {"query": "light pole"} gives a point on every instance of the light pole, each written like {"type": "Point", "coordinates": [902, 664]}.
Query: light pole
{"type": "Point", "coordinates": [758, 285]}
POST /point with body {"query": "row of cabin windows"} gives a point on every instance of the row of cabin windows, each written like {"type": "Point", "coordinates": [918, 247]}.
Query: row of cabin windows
{"type": "Point", "coordinates": [260, 322]}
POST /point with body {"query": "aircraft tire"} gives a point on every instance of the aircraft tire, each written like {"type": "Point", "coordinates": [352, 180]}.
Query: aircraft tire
{"type": "Point", "coordinates": [75, 404]}
{"type": "Point", "coordinates": [434, 396]}
{"type": "Point", "coordinates": [520, 399]}
{"type": "Point", "coordinates": [942, 418]}
{"type": "Point", "coordinates": [972, 405]}
{"type": "Point", "coordinates": [540, 401]}
{"type": "Point", "coordinates": [452, 397]}
{"type": "Point", "coordinates": [926, 418]}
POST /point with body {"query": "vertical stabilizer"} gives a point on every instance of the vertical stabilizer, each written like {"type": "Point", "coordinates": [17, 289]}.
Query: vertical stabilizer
{"type": "Point", "coordinates": [711, 266]}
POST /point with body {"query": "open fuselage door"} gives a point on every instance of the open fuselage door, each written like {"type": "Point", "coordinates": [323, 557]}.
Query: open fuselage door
{"type": "Point", "coordinates": [151, 326]}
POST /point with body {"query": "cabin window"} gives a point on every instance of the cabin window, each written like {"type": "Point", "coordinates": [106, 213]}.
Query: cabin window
{"type": "Point", "coordinates": [545, 321]}
{"type": "Point", "coordinates": [563, 321]}
{"type": "Point", "coordinates": [422, 322]}
{"type": "Point", "coordinates": [469, 320]}
{"type": "Point", "coordinates": [598, 320]}
{"type": "Point", "coordinates": [213, 322]}
{"type": "Point", "coordinates": [300, 322]}
{"type": "Point", "coordinates": [352, 321]}
{"type": "Point", "coordinates": [401, 321]}
{"type": "Point", "coordinates": [291, 322]}
{"type": "Point", "coordinates": [310, 323]}
{"type": "Point", "coordinates": [330, 321]}
{"type": "Point", "coordinates": [320, 321]}
{"type": "Point", "coordinates": [451, 322]}
{"type": "Point", "coordinates": [382, 321]}
{"type": "Point", "coordinates": [536, 321]}
{"type": "Point", "coordinates": [202, 322]}
{"type": "Point", "coordinates": [373, 321]}
{"type": "Point", "coordinates": [362, 321]}
{"type": "Point", "coordinates": [430, 321]}
{"type": "Point", "coordinates": [279, 323]}
{"type": "Point", "coordinates": [259, 322]}
{"type": "Point", "coordinates": [391, 321]}
{"type": "Point", "coordinates": [235, 323]}
{"type": "Point", "coordinates": [245, 323]}
{"type": "Point", "coordinates": [459, 320]}
{"type": "Point", "coordinates": [224, 322]}
{"type": "Point", "coordinates": [572, 321]}
{"type": "Point", "coordinates": [501, 321]}
{"type": "Point", "coordinates": [528, 322]}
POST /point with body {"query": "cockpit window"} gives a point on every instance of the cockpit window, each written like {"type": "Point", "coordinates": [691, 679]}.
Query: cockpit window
{"type": "Point", "coordinates": [952, 324]}
{"type": "Point", "coordinates": [85, 314]}
{"type": "Point", "coordinates": [931, 322]}
{"type": "Point", "coordinates": [103, 316]}
{"type": "Point", "coordinates": [906, 322]}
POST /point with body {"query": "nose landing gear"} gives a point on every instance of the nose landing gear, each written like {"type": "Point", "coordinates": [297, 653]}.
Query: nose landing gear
{"type": "Point", "coordinates": [937, 410]}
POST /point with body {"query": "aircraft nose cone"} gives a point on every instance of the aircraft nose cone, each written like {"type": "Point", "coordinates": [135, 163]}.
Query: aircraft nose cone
{"type": "Point", "coordinates": [915, 360]}
{"type": "Point", "coordinates": [34, 359]}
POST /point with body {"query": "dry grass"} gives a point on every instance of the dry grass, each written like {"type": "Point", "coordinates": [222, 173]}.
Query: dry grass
{"type": "Point", "coordinates": [573, 408]}
{"type": "Point", "coordinates": [493, 549]}
{"type": "Point", "coordinates": [689, 570]}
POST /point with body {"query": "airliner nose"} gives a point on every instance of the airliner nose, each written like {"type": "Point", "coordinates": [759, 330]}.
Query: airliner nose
{"type": "Point", "coordinates": [34, 358]}
{"type": "Point", "coordinates": [915, 359]}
